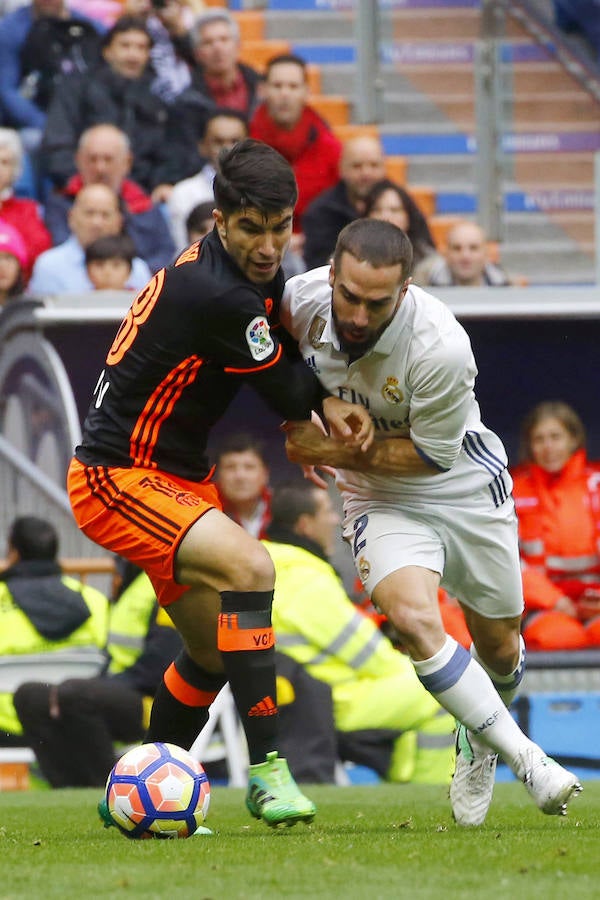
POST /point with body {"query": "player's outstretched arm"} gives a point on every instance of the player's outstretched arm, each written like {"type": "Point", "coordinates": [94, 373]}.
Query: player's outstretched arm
{"type": "Point", "coordinates": [307, 445]}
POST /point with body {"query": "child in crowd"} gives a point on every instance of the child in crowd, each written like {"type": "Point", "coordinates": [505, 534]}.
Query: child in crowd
{"type": "Point", "coordinates": [14, 260]}
{"type": "Point", "coordinates": [200, 221]}
{"type": "Point", "coordinates": [108, 262]}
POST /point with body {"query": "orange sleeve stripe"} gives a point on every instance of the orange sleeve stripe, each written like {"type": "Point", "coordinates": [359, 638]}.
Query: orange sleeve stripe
{"type": "Point", "coordinates": [158, 407]}
{"type": "Point", "coordinates": [185, 692]}
{"type": "Point", "coordinates": [182, 382]}
{"type": "Point", "coordinates": [231, 637]}
{"type": "Point", "coordinates": [275, 359]}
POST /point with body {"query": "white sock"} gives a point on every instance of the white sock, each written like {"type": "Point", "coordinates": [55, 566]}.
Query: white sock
{"type": "Point", "coordinates": [464, 688]}
{"type": "Point", "coordinates": [506, 685]}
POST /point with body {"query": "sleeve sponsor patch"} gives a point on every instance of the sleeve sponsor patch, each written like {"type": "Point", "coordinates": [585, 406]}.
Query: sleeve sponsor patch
{"type": "Point", "coordinates": [258, 337]}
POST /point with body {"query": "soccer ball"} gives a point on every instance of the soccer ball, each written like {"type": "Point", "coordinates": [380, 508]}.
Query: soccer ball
{"type": "Point", "coordinates": [157, 790]}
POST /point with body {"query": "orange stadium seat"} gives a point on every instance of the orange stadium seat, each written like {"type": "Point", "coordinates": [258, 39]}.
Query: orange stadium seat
{"type": "Point", "coordinates": [335, 110]}
{"type": "Point", "coordinates": [345, 132]}
{"type": "Point", "coordinates": [251, 23]}
{"type": "Point", "coordinates": [424, 197]}
{"type": "Point", "coordinates": [396, 168]}
{"type": "Point", "coordinates": [258, 53]}
{"type": "Point", "coordinates": [313, 74]}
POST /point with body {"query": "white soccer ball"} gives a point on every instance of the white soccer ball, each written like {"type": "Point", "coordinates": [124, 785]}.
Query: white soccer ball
{"type": "Point", "coordinates": [158, 790]}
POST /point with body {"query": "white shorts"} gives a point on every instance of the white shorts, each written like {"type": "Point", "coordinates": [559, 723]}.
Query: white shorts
{"type": "Point", "coordinates": [474, 547]}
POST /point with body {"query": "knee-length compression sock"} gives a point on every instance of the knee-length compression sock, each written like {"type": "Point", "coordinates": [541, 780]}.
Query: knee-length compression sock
{"type": "Point", "coordinates": [181, 703]}
{"type": "Point", "coordinates": [464, 688]}
{"type": "Point", "coordinates": [506, 685]}
{"type": "Point", "coordinates": [246, 641]}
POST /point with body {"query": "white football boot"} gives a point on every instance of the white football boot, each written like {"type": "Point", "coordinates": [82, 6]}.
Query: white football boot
{"type": "Point", "coordinates": [472, 785]}
{"type": "Point", "coordinates": [549, 784]}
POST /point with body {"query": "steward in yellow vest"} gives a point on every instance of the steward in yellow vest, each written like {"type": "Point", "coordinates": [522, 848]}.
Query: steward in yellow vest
{"type": "Point", "coordinates": [382, 714]}
{"type": "Point", "coordinates": [72, 728]}
{"type": "Point", "coordinates": [42, 610]}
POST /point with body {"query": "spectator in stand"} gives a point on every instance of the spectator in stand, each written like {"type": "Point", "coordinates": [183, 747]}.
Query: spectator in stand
{"type": "Point", "coordinates": [117, 91]}
{"type": "Point", "coordinates": [95, 213]}
{"type": "Point", "coordinates": [391, 202]}
{"type": "Point", "coordinates": [14, 261]}
{"type": "Point", "coordinates": [218, 74]}
{"type": "Point", "coordinates": [42, 610]}
{"type": "Point", "coordinates": [287, 122]}
{"type": "Point", "coordinates": [382, 715]}
{"type": "Point", "coordinates": [218, 78]}
{"type": "Point", "coordinates": [20, 212]}
{"type": "Point", "coordinates": [362, 166]}
{"type": "Point", "coordinates": [200, 221]}
{"type": "Point", "coordinates": [242, 479]}
{"type": "Point", "coordinates": [104, 157]}
{"type": "Point", "coordinates": [168, 22]}
{"type": "Point", "coordinates": [39, 42]}
{"type": "Point", "coordinates": [465, 262]}
{"type": "Point", "coordinates": [72, 726]}
{"type": "Point", "coordinates": [224, 128]}
{"type": "Point", "coordinates": [557, 497]}
{"type": "Point", "coordinates": [109, 261]}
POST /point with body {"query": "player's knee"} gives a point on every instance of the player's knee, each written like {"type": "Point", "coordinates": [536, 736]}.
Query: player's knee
{"type": "Point", "coordinates": [73, 696]}
{"type": "Point", "coordinates": [501, 650]}
{"type": "Point", "coordinates": [414, 623]}
{"type": "Point", "coordinates": [253, 569]}
{"type": "Point", "coordinates": [31, 702]}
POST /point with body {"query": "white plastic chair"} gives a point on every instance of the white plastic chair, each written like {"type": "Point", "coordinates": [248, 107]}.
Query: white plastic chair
{"type": "Point", "coordinates": [50, 668]}
{"type": "Point", "coordinates": [222, 738]}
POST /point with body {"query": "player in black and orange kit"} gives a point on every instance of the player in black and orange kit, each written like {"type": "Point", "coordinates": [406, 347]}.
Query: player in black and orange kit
{"type": "Point", "coordinates": [140, 483]}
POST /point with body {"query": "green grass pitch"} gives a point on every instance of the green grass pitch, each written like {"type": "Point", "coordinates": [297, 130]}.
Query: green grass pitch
{"type": "Point", "coordinates": [368, 842]}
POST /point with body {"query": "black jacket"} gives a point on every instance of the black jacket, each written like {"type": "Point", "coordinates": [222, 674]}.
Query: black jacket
{"type": "Point", "coordinates": [191, 110]}
{"type": "Point", "coordinates": [53, 608]}
{"type": "Point", "coordinates": [102, 96]}
{"type": "Point", "coordinates": [322, 222]}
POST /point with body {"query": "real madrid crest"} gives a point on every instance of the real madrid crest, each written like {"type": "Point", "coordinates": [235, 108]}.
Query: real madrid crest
{"type": "Point", "coordinates": [390, 390]}
{"type": "Point", "coordinates": [364, 569]}
{"type": "Point", "coordinates": [317, 326]}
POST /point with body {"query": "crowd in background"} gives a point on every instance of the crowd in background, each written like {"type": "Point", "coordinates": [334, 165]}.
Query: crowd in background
{"type": "Point", "coordinates": [140, 98]}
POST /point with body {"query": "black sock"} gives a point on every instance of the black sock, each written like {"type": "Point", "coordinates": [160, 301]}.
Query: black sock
{"type": "Point", "coordinates": [246, 643]}
{"type": "Point", "coordinates": [181, 703]}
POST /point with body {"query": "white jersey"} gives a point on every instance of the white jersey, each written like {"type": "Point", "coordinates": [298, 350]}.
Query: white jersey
{"type": "Point", "coordinates": [417, 381]}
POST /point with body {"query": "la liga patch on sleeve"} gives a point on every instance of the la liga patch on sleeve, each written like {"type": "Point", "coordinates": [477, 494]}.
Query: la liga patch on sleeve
{"type": "Point", "coordinates": [258, 337]}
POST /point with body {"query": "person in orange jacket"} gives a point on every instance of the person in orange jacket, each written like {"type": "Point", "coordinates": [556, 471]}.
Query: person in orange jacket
{"type": "Point", "coordinates": [557, 498]}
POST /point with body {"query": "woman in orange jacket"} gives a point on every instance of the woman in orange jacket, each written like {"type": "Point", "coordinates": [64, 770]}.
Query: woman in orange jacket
{"type": "Point", "coordinates": [557, 497]}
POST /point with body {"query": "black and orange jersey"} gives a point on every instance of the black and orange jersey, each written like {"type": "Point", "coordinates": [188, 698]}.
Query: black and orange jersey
{"type": "Point", "coordinates": [191, 338]}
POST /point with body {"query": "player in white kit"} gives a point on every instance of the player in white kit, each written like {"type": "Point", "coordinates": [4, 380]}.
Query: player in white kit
{"type": "Point", "coordinates": [429, 501]}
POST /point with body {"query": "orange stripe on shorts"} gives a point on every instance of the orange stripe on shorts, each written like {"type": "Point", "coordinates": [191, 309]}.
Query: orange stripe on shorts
{"type": "Point", "coordinates": [231, 637]}
{"type": "Point", "coordinates": [184, 691]}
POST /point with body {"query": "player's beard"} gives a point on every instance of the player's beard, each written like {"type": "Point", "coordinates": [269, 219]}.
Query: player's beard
{"type": "Point", "coordinates": [355, 348]}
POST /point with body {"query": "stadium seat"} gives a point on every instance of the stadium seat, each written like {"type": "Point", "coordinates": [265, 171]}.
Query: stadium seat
{"type": "Point", "coordinates": [313, 74]}
{"type": "Point", "coordinates": [424, 197]}
{"type": "Point", "coordinates": [257, 53]}
{"type": "Point", "coordinates": [345, 132]}
{"type": "Point", "coordinates": [52, 668]}
{"type": "Point", "coordinates": [251, 23]}
{"type": "Point", "coordinates": [335, 110]}
{"type": "Point", "coordinates": [396, 168]}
